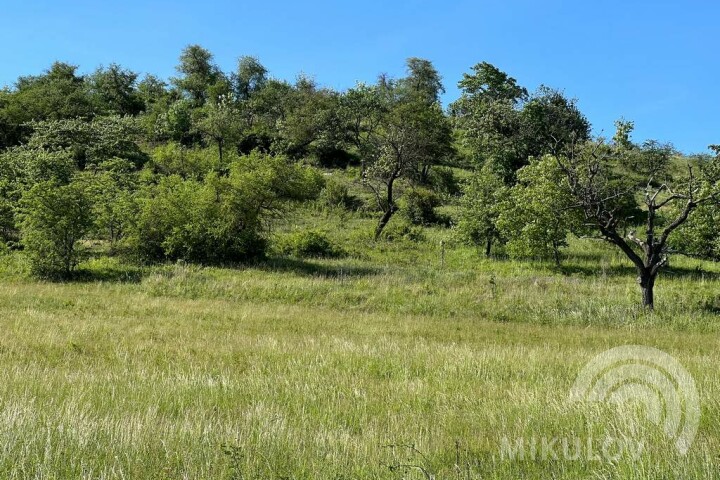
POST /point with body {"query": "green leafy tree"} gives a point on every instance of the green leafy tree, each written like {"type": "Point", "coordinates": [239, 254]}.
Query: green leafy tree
{"type": "Point", "coordinates": [311, 126]}
{"type": "Point", "coordinates": [250, 78]}
{"type": "Point", "coordinates": [424, 84]}
{"type": "Point", "coordinates": [535, 217]}
{"type": "Point", "coordinates": [176, 123]}
{"type": "Point", "coordinates": [59, 93]}
{"type": "Point", "coordinates": [20, 169]}
{"type": "Point", "coordinates": [602, 191]}
{"type": "Point", "coordinates": [220, 122]}
{"type": "Point", "coordinates": [91, 143]}
{"type": "Point", "coordinates": [498, 122]}
{"type": "Point", "coordinates": [699, 236]}
{"type": "Point", "coordinates": [113, 91]}
{"type": "Point", "coordinates": [423, 80]}
{"type": "Point", "coordinates": [550, 122]}
{"type": "Point", "coordinates": [197, 72]}
{"type": "Point", "coordinates": [480, 207]}
{"type": "Point", "coordinates": [396, 133]}
{"type": "Point", "coordinates": [112, 187]}
{"type": "Point", "coordinates": [487, 118]}
{"type": "Point", "coordinates": [54, 219]}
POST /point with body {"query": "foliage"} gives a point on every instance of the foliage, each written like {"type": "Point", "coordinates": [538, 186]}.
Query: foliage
{"type": "Point", "coordinates": [114, 91]}
{"type": "Point", "coordinates": [57, 94]}
{"type": "Point", "coordinates": [403, 230]}
{"type": "Point", "coordinates": [418, 206]}
{"type": "Point", "coordinates": [337, 194]}
{"type": "Point", "coordinates": [444, 181]}
{"type": "Point", "coordinates": [700, 236]}
{"type": "Point", "coordinates": [536, 217]}
{"type": "Point", "coordinates": [219, 218]}
{"type": "Point", "coordinates": [604, 192]}
{"type": "Point", "coordinates": [480, 207]}
{"type": "Point", "coordinates": [54, 219]}
{"type": "Point", "coordinates": [220, 123]}
{"type": "Point", "coordinates": [498, 122]}
{"type": "Point", "coordinates": [175, 159]}
{"type": "Point", "coordinates": [91, 143]}
{"type": "Point", "coordinates": [400, 135]}
{"type": "Point", "coordinates": [197, 73]}
{"type": "Point", "coordinates": [308, 244]}
{"type": "Point", "coordinates": [112, 187]}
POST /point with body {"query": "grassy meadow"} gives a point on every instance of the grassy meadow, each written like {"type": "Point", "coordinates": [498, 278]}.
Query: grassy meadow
{"type": "Point", "coordinates": [402, 360]}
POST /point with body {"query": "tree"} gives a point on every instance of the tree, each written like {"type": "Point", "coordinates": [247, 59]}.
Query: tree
{"type": "Point", "coordinates": [20, 169]}
{"type": "Point", "coordinates": [600, 189]}
{"type": "Point", "coordinates": [92, 142]}
{"type": "Point", "coordinates": [423, 80]}
{"type": "Point", "coordinates": [220, 123]}
{"type": "Point", "coordinates": [262, 114]}
{"type": "Point", "coordinates": [400, 133]}
{"type": "Point", "coordinates": [549, 122]}
{"type": "Point", "coordinates": [424, 84]}
{"type": "Point", "coordinates": [114, 91]}
{"type": "Point", "coordinates": [198, 73]}
{"type": "Point", "coordinates": [111, 187]}
{"type": "Point", "coordinates": [487, 118]}
{"type": "Point", "coordinates": [59, 93]}
{"type": "Point", "coordinates": [488, 84]}
{"type": "Point", "coordinates": [54, 219]}
{"type": "Point", "coordinates": [480, 207]}
{"type": "Point", "coordinates": [534, 217]}
{"type": "Point", "coordinates": [251, 77]}
{"type": "Point", "coordinates": [499, 122]}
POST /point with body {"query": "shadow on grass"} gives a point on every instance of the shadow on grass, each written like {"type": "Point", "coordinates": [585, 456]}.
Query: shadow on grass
{"type": "Point", "coordinates": [696, 273]}
{"type": "Point", "coordinates": [313, 268]}
{"type": "Point", "coordinates": [128, 274]}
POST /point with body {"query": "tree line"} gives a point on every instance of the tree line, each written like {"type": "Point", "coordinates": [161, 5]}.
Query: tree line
{"type": "Point", "coordinates": [194, 168]}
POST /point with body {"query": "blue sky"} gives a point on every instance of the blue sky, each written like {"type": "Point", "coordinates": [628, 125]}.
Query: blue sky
{"type": "Point", "coordinates": [653, 62]}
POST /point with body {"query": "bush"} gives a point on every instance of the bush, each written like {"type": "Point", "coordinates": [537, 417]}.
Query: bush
{"type": "Point", "coordinates": [336, 195]}
{"type": "Point", "coordinates": [54, 218]}
{"type": "Point", "coordinates": [175, 159]}
{"type": "Point", "coordinates": [220, 218]}
{"type": "Point", "coordinates": [308, 244]}
{"type": "Point", "coordinates": [444, 181]}
{"type": "Point", "coordinates": [418, 206]}
{"type": "Point", "coordinates": [403, 230]}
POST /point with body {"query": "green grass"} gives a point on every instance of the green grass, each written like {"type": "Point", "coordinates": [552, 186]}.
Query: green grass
{"type": "Point", "coordinates": [316, 368]}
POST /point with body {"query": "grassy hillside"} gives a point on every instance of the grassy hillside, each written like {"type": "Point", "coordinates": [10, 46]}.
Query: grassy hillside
{"type": "Point", "coordinates": [394, 362]}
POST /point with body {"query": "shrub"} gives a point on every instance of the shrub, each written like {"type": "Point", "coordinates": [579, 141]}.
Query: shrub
{"type": "Point", "coordinates": [54, 218]}
{"type": "Point", "coordinates": [418, 206]}
{"type": "Point", "coordinates": [308, 244]}
{"type": "Point", "coordinates": [444, 181]}
{"type": "Point", "coordinates": [403, 230]}
{"type": "Point", "coordinates": [220, 218]}
{"type": "Point", "coordinates": [175, 159]}
{"type": "Point", "coordinates": [336, 195]}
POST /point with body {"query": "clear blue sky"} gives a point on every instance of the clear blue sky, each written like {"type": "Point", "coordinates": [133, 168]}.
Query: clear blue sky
{"type": "Point", "coordinates": [654, 62]}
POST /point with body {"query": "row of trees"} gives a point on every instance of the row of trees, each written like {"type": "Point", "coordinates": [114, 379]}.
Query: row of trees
{"type": "Point", "coordinates": [195, 168]}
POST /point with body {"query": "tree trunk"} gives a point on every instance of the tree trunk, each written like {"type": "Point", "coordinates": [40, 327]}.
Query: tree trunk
{"type": "Point", "coordinates": [425, 174]}
{"type": "Point", "coordinates": [556, 254]}
{"type": "Point", "coordinates": [488, 246]}
{"type": "Point", "coordinates": [220, 150]}
{"type": "Point", "coordinates": [383, 221]}
{"type": "Point", "coordinates": [390, 209]}
{"type": "Point", "coordinates": [647, 284]}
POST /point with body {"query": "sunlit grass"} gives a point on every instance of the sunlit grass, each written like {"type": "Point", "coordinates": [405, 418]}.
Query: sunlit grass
{"type": "Point", "coordinates": [333, 368]}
